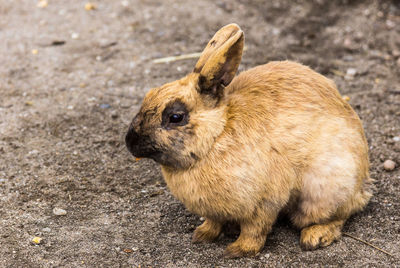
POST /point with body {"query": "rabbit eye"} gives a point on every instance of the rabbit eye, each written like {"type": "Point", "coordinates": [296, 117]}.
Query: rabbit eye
{"type": "Point", "coordinates": [176, 118]}
{"type": "Point", "coordinates": [174, 115]}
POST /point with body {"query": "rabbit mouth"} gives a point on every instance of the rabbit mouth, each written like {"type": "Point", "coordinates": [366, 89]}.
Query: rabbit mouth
{"type": "Point", "coordinates": [147, 152]}
{"type": "Point", "coordinates": [150, 152]}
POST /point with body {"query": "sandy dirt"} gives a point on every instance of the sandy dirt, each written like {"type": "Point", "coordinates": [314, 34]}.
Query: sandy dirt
{"type": "Point", "coordinates": [72, 79]}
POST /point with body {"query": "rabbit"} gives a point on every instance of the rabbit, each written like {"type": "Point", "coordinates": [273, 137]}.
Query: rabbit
{"type": "Point", "coordinates": [277, 138]}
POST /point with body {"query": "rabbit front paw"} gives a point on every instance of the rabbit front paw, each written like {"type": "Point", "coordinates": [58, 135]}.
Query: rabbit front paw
{"type": "Point", "coordinates": [237, 249]}
{"type": "Point", "coordinates": [207, 232]}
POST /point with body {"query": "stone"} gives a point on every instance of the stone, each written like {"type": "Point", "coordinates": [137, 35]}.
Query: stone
{"type": "Point", "coordinates": [59, 212]}
{"type": "Point", "coordinates": [389, 165]}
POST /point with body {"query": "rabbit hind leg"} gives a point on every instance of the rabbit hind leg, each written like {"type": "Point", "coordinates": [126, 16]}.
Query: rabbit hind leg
{"type": "Point", "coordinates": [320, 231]}
{"type": "Point", "coordinates": [320, 235]}
{"type": "Point", "coordinates": [326, 198]}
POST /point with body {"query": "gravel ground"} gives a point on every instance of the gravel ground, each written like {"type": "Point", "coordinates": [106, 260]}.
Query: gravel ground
{"type": "Point", "coordinates": [71, 79]}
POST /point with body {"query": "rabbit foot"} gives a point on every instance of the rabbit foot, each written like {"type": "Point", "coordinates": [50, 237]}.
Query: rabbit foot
{"type": "Point", "coordinates": [207, 232]}
{"type": "Point", "coordinates": [320, 235]}
{"type": "Point", "coordinates": [242, 249]}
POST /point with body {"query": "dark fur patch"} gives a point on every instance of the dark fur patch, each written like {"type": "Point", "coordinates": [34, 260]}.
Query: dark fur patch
{"type": "Point", "coordinates": [194, 156]}
{"type": "Point", "coordinates": [197, 70]}
{"type": "Point", "coordinates": [140, 145]}
{"type": "Point", "coordinates": [175, 107]}
{"type": "Point", "coordinates": [146, 117]}
{"type": "Point", "coordinates": [216, 91]}
{"type": "Point", "coordinates": [150, 112]}
{"type": "Point", "coordinates": [189, 129]}
{"type": "Point", "coordinates": [176, 142]}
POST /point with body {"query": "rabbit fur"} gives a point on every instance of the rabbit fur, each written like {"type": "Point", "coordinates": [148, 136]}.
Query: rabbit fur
{"type": "Point", "coordinates": [277, 138]}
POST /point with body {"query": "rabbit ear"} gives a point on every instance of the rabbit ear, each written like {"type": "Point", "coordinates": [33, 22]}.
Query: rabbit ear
{"type": "Point", "coordinates": [220, 60]}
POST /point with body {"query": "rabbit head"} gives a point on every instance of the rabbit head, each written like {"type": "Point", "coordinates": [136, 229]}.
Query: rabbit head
{"type": "Point", "coordinates": [178, 122]}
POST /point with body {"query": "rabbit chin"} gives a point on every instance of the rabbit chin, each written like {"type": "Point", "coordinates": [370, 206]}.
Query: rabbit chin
{"type": "Point", "coordinates": [169, 160]}
{"type": "Point", "coordinates": [173, 160]}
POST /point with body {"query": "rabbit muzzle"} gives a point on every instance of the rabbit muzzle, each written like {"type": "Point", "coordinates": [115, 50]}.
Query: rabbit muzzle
{"type": "Point", "coordinates": [141, 145]}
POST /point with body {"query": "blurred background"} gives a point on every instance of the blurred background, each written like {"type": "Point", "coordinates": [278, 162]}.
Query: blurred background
{"type": "Point", "coordinates": [73, 74]}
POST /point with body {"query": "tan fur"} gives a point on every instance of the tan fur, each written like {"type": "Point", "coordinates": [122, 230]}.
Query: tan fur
{"type": "Point", "coordinates": [279, 139]}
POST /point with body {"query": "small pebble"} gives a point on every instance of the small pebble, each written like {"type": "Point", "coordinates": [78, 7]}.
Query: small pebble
{"type": "Point", "coordinates": [390, 24]}
{"type": "Point", "coordinates": [351, 72]}
{"type": "Point", "coordinates": [347, 43]}
{"type": "Point", "coordinates": [74, 35]}
{"type": "Point", "coordinates": [33, 152]}
{"type": "Point", "coordinates": [46, 229]}
{"type": "Point", "coordinates": [105, 106]}
{"type": "Point", "coordinates": [59, 212]}
{"type": "Point", "coordinates": [348, 58]}
{"type": "Point", "coordinates": [42, 4]}
{"type": "Point", "coordinates": [114, 115]}
{"type": "Point", "coordinates": [37, 240]}
{"type": "Point", "coordinates": [389, 165]}
{"type": "Point", "coordinates": [396, 139]}
{"type": "Point", "coordinates": [276, 31]}
{"type": "Point", "coordinates": [90, 6]}
{"type": "Point", "coordinates": [35, 51]}
{"type": "Point", "coordinates": [346, 98]}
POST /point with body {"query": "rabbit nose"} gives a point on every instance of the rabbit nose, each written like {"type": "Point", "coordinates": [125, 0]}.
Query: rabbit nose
{"type": "Point", "coordinates": [132, 139]}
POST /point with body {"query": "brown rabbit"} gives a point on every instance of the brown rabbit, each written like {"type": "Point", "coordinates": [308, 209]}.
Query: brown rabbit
{"type": "Point", "coordinates": [276, 138]}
